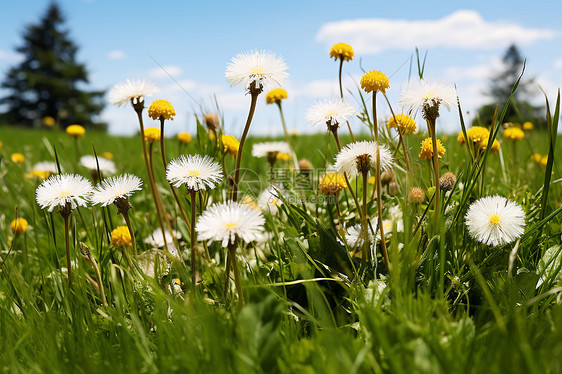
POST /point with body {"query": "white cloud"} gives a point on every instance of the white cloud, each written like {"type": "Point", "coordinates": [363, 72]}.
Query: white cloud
{"type": "Point", "coordinates": [463, 29]}
{"type": "Point", "coordinates": [480, 71]}
{"type": "Point", "coordinates": [165, 71]}
{"type": "Point", "coordinates": [116, 54]}
{"type": "Point", "coordinates": [10, 56]}
{"type": "Point", "coordinates": [558, 63]}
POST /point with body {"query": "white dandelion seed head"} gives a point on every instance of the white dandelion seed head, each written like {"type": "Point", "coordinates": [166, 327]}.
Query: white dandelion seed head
{"type": "Point", "coordinates": [46, 166]}
{"type": "Point", "coordinates": [426, 93]}
{"type": "Point", "coordinates": [333, 111]}
{"type": "Point", "coordinates": [62, 189]}
{"type": "Point", "coordinates": [195, 171]}
{"type": "Point", "coordinates": [156, 239]}
{"type": "Point", "coordinates": [110, 189]}
{"type": "Point", "coordinates": [131, 91]}
{"type": "Point", "coordinates": [355, 237]}
{"type": "Point", "coordinates": [224, 222]}
{"type": "Point", "coordinates": [106, 166]}
{"type": "Point", "coordinates": [270, 200]}
{"type": "Point", "coordinates": [346, 159]}
{"type": "Point", "coordinates": [263, 68]}
{"type": "Point", "coordinates": [495, 220]}
{"type": "Point", "coordinates": [262, 149]}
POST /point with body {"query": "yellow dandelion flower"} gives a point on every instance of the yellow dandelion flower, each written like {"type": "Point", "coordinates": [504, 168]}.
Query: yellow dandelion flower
{"type": "Point", "coordinates": [342, 51]}
{"type": "Point", "coordinates": [248, 200]}
{"type": "Point", "coordinates": [1, 144]}
{"type": "Point", "coordinates": [18, 158]}
{"type": "Point", "coordinates": [184, 137]}
{"type": "Point", "coordinates": [19, 226]}
{"type": "Point", "coordinates": [275, 96]}
{"type": "Point", "coordinates": [121, 237]}
{"type": "Point", "coordinates": [39, 174]}
{"type": "Point", "coordinates": [230, 144]}
{"type": "Point", "coordinates": [536, 157]}
{"type": "Point", "coordinates": [48, 121]}
{"type": "Point", "coordinates": [371, 180]}
{"type": "Point", "coordinates": [544, 160]}
{"type": "Point", "coordinates": [513, 133]}
{"type": "Point", "coordinates": [475, 134]}
{"type": "Point", "coordinates": [374, 81]}
{"type": "Point", "coordinates": [495, 145]}
{"type": "Point", "coordinates": [161, 109]}
{"type": "Point", "coordinates": [332, 183]}
{"type": "Point", "coordinates": [426, 151]}
{"type": "Point", "coordinates": [76, 131]}
{"type": "Point", "coordinates": [107, 155]}
{"type": "Point", "coordinates": [152, 134]}
{"type": "Point", "coordinates": [405, 123]}
{"type": "Point", "coordinates": [528, 126]}
{"type": "Point", "coordinates": [281, 156]}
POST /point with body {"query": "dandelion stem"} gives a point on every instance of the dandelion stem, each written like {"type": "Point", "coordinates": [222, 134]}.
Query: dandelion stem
{"type": "Point", "coordinates": [294, 155]}
{"type": "Point", "coordinates": [237, 280]}
{"type": "Point", "coordinates": [133, 238]}
{"type": "Point", "coordinates": [159, 206]}
{"type": "Point", "coordinates": [243, 140]}
{"type": "Point", "coordinates": [364, 227]}
{"type": "Point", "coordinates": [341, 95]}
{"type": "Point", "coordinates": [165, 163]}
{"type": "Point", "coordinates": [378, 185]}
{"type": "Point", "coordinates": [66, 217]}
{"type": "Point", "coordinates": [192, 237]}
{"type": "Point", "coordinates": [138, 109]}
{"type": "Point", "coordinates": [431, 126]}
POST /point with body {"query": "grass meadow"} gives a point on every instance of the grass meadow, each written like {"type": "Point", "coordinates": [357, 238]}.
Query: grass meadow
{"type": "Point", "coordinates": [445, 303]}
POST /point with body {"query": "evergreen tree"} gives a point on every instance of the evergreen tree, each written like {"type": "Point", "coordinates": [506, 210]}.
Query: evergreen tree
{"type": "Point", "coordinates": [49, 81]}
{"type": "Point", "coordinates": [501, 84]}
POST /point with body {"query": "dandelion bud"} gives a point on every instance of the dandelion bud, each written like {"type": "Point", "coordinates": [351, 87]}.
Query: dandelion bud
{"type": "Point", "coordinates": [305, 166]}
{"type": "Point", "coordinates": [447, 181]}
{"type": "Point", "coordinates": [392, 188]}
{"type": "Point", "coordinates": [416, 195]}
{"type": "Point", "coordinates": [212, 121]}
{"type": "Point", "coordinates": [387, 176]}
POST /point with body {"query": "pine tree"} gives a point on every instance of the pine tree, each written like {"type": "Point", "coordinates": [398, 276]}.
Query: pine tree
{"type": "Point", "coordinates": [49, 81]}
{"type": "Point", "coordinates": [520, 109]}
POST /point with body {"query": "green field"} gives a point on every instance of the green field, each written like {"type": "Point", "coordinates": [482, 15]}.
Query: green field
{"type": "Point", "coordinates": [446, 304]}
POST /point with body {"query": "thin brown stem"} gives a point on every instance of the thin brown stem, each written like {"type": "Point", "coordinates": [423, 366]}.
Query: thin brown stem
{"type": "Point", "coordinates": [378, 185]}
{"type": "Point", "coordinates": [138, 109]}
{"type": "Point", "coordinates": [241, 147]}
{"type": "Point", "coordinates": [159, 205]}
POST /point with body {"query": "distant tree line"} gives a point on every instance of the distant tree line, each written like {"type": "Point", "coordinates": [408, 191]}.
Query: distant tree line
{"type": "Point", "coordinates": [501, 83]}
{"type": "Point", "coordinates": [47, 87]}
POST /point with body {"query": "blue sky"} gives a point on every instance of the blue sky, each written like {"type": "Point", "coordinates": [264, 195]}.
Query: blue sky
{"type": "Point", "coordinates": [195, 40]}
